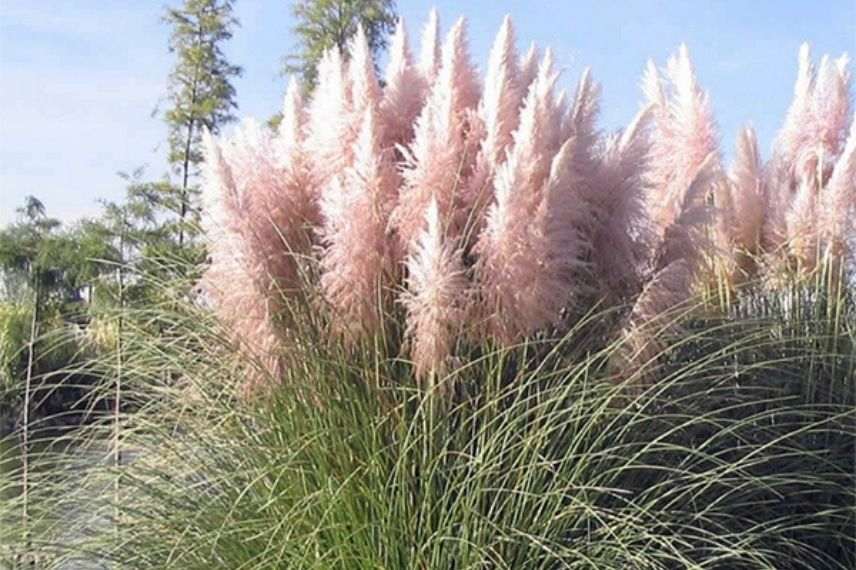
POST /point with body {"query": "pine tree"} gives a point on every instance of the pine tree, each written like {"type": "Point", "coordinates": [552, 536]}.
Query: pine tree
{"type": "Point", "coordinates": [201, 94]}
{"type": "Point", "coordinates": [324, 24]}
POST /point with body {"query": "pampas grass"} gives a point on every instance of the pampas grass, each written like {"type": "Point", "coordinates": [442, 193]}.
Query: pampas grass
{"type": "Point", "coordinates": [551, 214]}
{"type": "Point", "coordinates": [739, 453]}
{"type": "Point", "coordinates": [456, 325]}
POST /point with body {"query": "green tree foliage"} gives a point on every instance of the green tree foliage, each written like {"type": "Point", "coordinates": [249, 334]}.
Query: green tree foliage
{"type": "Point", "coordinates": [51, 266]}
{"type": "Point", "coordinates": [201, 93]}
{"type": "Point", "coordinates": [35, 248]}
{"type": "Point", "coordinates": [323, 24]}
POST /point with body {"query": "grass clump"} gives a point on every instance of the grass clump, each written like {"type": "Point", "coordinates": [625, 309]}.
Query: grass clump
{"type": "Point", "coordinates": [733, 448]}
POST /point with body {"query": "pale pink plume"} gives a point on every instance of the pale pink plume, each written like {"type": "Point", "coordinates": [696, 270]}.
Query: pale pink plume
{"type": "Point", "coordinates": [528, 68]}
{"type": "Point", "coordinates": [357, 261]}
{"type": "Point", "coordinates": [404, 92]}
{"type": "Point", "coordinates": [816, 123]}
{"type": "Point", "coordinates": [530, 241]}
{"type": "Point", "coordinates": [259, 208]}
{"type": "Point", "coordinates": [616, 201]}
{"type": "Point", "coordinates": [501, 99]}
{"type": "Point", "coordinates": [809, 142]}
{"type": "Point", "coordinates": [652, 315]}
{"type": "Point", "coordinates": [747, 194]}
{"type": "Point", "coordinates": [362, 80]}
{"type": "Point", "coordinates": [783, 170]}
{"type": "Point", "coordinates": [436, 298]}
{"type": "Point", "coordinates": [801, 224]}
{"type": "Point", "coordinates": [238, 280]}
{"type": "Point", "coordinates": [581, 121]}
{"type": "Point", "coordinates": [437, 164]}
{"type": "Point", "coordinates": [684, 159]}
{"type": "Point", "coordinates": [685, 237]}
{"type": "Point", "coordinates": [300, 193]}
{"type": "Point", "coordinates": [429, 50]}
{"type": "Point", "coordinates": [838, 213]}
{"type": "Point", "coordinates": [498, 113]}
{"type": "Point", "coordinates": [329, 120]}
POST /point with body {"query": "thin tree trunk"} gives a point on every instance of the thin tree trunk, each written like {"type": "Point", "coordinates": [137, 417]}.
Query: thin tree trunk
{"type": "Point", "coordinates": [186, 172]}
{"type": "Point", "coordinates": [25, 435]}
{"type": "Point", "coordinates": [117, 403]}
{"type": "Point", "coordinates": [187, 144]}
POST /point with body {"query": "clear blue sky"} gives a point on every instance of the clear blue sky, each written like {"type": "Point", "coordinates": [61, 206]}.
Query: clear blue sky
{"type": "Point", "coordinates": [80, 79]}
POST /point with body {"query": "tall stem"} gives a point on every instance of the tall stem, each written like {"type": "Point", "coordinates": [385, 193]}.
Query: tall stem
{"type": "Point", "coordinates": [25, 435]}
{"type": "Point", "coordinates": [117, 400]}
{"type": "Point", "coordinates": [186, 173]}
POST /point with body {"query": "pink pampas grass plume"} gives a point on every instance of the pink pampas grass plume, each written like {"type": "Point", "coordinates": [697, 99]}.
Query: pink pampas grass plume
{"type": "Point", "coordinates": [262, 194]}
{"type": "Point", "coordinates": [748, 195]}
{"type": "Point", "coordinates": [580, 122]}
{"type": "Point", "coordinates": [362, 81]}
{"type": "Point", "coordinates": [500, 104]}
{"type": "Point", "coordinates": [436, 298]}
{"type": "Point", "coordinates": [404, 93]}
{"type": "Point", "coordinates": [330, 120]}
{"type": "Point", "coordinates": [838, 213]}
{"type": "Point", "coordinates": [802, 228]}
{"type": "Point", "coordinates": [237, 281]}
{"type": "Point", "coordinates": [437, 164]}
{"type": "Point", "coordinates": [299, 195]}
{"type": "Point", "coordinates": [809, 141]}
{"type": "Point", "coordinates": [429, 50]}
{"type": "Point", "coordinates": [498, 112]}
{"type": "Point", "coordinates": [653, 314]}
{"type": "Point", "coordinates": [684, 159]}
{"type": "Point", "coordinates": [684, 238]}
{"type": "Point", "coordinates": [530, 241]}
{"type": "Point", "coordinates": [616, 201]}
{"type": "Point", "coordinates": [528, 68]}
{"type": "Point", "coordinates": [357, 260]}
{"type": "Point", "coordinates": [816, 123]}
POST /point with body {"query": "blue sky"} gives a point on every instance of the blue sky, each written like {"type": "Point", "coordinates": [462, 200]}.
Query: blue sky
{"type": "Point", "coordinates": [81, 79]}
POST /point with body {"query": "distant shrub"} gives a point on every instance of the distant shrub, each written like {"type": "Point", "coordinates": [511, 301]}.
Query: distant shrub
{"type": "Point", "coordinates": [14, 336]}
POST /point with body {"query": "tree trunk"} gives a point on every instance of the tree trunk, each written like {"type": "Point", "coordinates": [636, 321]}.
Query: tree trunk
{"type": "Point", "coordinates": [187, 144]}
{"type": "Point", "coordinates": [186, 172]}
{"type": "Point", "coordinates": [25, 434]}
{"type": "Point", "coordinates": [117, 397]}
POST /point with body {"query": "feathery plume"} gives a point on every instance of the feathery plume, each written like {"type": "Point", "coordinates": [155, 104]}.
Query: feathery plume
{"type": "Point", "coordinates": [404, 93]}
{"type": "Point", "coordinates": [437, 165]}
{"type": "Point", "coordinates": [808, 143]}
{"type": "Point", "coordinates": [329, 119]}
{"type": "Point", "coordinates": [580, 121]}
{"type": "Point", "coordinates": [357, 262]}
{"type": "Point", "coordinates": [653, 314]}
{"type": "Point", "coordinates": [500, 103]}
{"type": "Point", "coordinates": [838, 220]}
{"type": "Point", "coordinates": [295, 167]}
{"type": "Point", "coordinates": [747, 194]}
{"type": "Point", "coordinates": [616, 202]}
{"type": "Point", "coordinates": [528, 68]}
{"type": "Point", "coordinates": [435, 298]}
{"type": "Point", "coordinates": [238, 280]}
{"type": "Point", "coordinates": [802, 230]}
{"type": "Point", "coordinates": [529, 242]}
{"type": "Point", "coordinates": [498, 112]}
{"type": "Point", "coordinates": [684, 155]}
{"type": "Point", "coordinates": [362, 79]}
{"type": "Point", "coordinates": [429, 52]}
